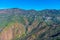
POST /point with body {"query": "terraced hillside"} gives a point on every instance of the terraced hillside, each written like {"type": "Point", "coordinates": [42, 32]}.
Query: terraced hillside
{"type": "Point", "coordinates": [20, 24]}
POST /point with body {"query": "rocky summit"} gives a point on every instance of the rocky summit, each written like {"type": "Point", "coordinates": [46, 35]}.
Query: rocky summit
{"type": "Point", "coordinates": [20, 24]}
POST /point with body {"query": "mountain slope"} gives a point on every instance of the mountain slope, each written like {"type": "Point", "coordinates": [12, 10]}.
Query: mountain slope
{"type": "Point", "coordinates": [20, 24]}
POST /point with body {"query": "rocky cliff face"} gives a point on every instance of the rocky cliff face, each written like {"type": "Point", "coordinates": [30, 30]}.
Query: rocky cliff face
{"type": "Point", "coordinates": [20, 24]}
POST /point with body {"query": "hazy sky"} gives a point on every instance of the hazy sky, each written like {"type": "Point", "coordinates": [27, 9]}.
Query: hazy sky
{"type": "Point", "coordinates": [30, 4]}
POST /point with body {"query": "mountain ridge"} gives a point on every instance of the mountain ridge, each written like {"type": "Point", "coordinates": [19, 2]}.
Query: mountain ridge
{"type": "Point", "coordinates": [29, 24]}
